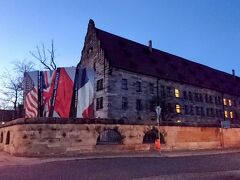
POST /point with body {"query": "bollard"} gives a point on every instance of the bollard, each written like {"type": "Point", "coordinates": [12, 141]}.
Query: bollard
{"type": "Point", "coordinates": [157, 144]}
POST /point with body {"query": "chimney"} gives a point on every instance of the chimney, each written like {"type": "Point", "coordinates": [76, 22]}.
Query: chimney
{"type": "Point", "coordinates": [233, 72]}
{"type": "Point", "coordinates": [150, 46]}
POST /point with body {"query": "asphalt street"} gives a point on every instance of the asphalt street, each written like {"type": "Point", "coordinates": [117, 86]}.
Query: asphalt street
{"type": "Point", "coordinates": [218, 166]}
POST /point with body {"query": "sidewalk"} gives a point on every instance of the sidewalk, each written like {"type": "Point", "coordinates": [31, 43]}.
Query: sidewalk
{"type": "Point", "coordinates": [8, 160]}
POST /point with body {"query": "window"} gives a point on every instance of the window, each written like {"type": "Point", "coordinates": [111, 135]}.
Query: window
{"type": "Point", "coordinates": [210, 99]}
{"type": "Point", "coordinates": [196, 97]}
{"type": "Point", "coordinates": [151, 88]}
{"type": "Point", "coordinates": [177, 93]}
{"type": "Point", "coordinates": [234, 103]}
{"type": "Point", "coordinates": [169, 91]}
{"type": "Point", "coordinates": [99, 84]}
{"type": "Point", "coordinates": [191, 110]}
{"type": "Point", "coordinates": [163, 91]}
{"type": "Point", "coordinates": [231, 114]}
{"type": "Point", "coordinates": [216, 100]}
{"type": "Point", "coordinates": [206, 98]}
{"type": "Point", "coordinates": [208, 112]}
{"type": "Point", "coordinates": [139, 104]}
{"type": "Point", "coordinates": [190, 95]}
{"type": "Point", "coordinates": [230, 102]}
{"type": "Point", "coordinates": [186, 109]}
{"type": "Point", "coordinates": [124, 103]}
{"type": "Point", "coordinates": [224, 101]}
{"type": "Point", "coordinates": [178, 108]}
{"type": "Point", "coordinates": [139, 88]}
{"type": "Point", "coordinates": [202, 111]}
{"type": "Point", "coordinates": [124, 84]}
{"type": "Point", "coordinates": [184, 94]}
{"type": "Point", "coordinates": [152, 105]}
{"type": "Point", "coordinates": [200, 98]}
{"type": "Point", "coordinates": [219, 100]}
{"type": "Point", "coordinates": [226, 114]}
{"type": "Point", "coordinates": [212, 112]}
{"type": "Point", "coordinates": [99, 104]}
{"type": "Point", "coordinates": [197, 110]}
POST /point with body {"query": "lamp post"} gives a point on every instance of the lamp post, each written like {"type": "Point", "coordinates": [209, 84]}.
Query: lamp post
{"type": "Point", "coordinates": [158, 111]}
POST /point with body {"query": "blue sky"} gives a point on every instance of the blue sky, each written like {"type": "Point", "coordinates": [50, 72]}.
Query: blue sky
{"type": "Point", "coordinates": [204, 31]}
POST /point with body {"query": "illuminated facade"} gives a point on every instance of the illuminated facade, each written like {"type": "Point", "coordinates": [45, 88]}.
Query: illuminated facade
{"type": "Point", "coordinates": [131, 79]}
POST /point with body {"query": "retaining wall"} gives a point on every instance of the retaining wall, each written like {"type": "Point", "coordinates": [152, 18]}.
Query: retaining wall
{"type": "Point", "coordinates": [41, 137]}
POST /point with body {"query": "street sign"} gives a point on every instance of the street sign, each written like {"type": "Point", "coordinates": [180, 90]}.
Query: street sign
{"type": "Point", "coordinates": [158, 110]}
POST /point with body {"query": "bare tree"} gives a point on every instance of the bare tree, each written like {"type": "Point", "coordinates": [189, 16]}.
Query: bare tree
{"type": "Point", "coordinates": [11, 91]}
{"type": "Point", "coordinates": [45, 57]}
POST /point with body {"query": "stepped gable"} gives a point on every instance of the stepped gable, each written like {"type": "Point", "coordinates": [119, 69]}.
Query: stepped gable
{"type": "Point", "coordinates": [132, 56]}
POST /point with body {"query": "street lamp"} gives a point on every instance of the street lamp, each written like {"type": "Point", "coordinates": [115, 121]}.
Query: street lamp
{"type": "Point", "coordinates": [158, 111]}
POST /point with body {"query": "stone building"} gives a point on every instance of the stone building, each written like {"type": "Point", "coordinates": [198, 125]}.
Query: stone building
{"type": "Point", "coordinates": [131, 79]}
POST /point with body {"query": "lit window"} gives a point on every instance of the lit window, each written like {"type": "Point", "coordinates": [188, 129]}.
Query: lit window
{"type": "Point", "coordinates": [224, 101]}
{"type": "Point", "coordinates": [177, 93]}
{"type": "Point", "coordinates": [231, 114]}
{"type": "Point", "coordinates": [178, 108]}
{"type": "Point", "coordinates": [226, 114]}
{"type": "Point", "coordinates": [230, 102]}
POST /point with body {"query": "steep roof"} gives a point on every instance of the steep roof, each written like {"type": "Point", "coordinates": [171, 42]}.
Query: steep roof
{"type": "Point", "coordinates": [132, 56]}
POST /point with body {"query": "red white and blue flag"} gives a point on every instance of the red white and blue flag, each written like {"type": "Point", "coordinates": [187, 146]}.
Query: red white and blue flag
{"type": "Point", "coordinates": [48, 80]}
{"type": "Point", "coordinates": [31, 94]}
{"type": "Point", "coordinates": [85, 93]}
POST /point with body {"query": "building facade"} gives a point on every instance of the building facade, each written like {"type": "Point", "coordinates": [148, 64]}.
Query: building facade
{"type": "Point", "coordinates": [131, 79]}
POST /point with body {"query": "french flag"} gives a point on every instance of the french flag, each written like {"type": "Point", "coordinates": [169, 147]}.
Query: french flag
{"type": "Point", "coordinates": [85, 108]}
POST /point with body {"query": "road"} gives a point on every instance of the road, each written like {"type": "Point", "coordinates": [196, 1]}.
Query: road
{"type": "Point", "coordinates": [220, 166]}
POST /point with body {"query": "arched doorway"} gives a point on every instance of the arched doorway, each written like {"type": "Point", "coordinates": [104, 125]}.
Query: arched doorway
{"type": "Point", "coordinates": [151, 136]}
{"type": "Point", "coordinates": [109, 137]}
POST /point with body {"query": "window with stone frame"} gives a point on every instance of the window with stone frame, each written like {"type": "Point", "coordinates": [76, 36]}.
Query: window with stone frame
{"type": "Point", "coordinates": [231, 115]}
{"type": "Point", "coordinates": [124, 103]}
{"type": "Point", "coordinates": [219, 100]}
{"type": "Point", "coordinates": [208, 112]}
{"type": "Point", "coordinates": [151, 88]}
{"type": "Point", "coordinates": [196, 97]}
{"type": "Point", "coordinates": [162, 91]}
{"type": "Point", "coordinates": [99, 103]}
{"type": "Point", "coordinates": [191, 110]}
{"type": "Point", "coordinates": [210, 99]}
{"type": "Point", "coordinates": [178, 108]}
{"type": "Point", "coordinates": [169, 93]}
{"type": "Point", "coordinates": [206, 98]}
{"type": "Point", "coordinates": [99, 84]}
{"type": "Point", "coordinates": [138, 86]}
{"type": "Point", "coordinates": [190, 96]}
{"type": "Point", "coordinates": [152, 105]}
{"type": "Point", "coordinates": [216, 100]}
{"type": "Point", "coordinates": [124, 84]}
{"type": "Point", "coordinates": [198, 112]}
{"type": "Point", "coordinates": [139, 105]}
{"type": "Point", "coordinates": [226, 114]}
{"type": "Point", "coordinates": [186, 109]}
{"type": "Point", "coordinates": [177, 93]}
{"type": "Point", "coordinates": [202, 111]}
{"type": "Point", "coordinates": [200, 98]}
{"type": "Point", "coordinates": [212, 112]}
{"type": "Point", "coordinates": [234, 103]}
{"type": "Point", "coordinates": [185, 94]}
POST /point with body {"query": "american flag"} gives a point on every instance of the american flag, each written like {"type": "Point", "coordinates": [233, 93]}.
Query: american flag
{"type": "Point", "coordinates": [31, 103]}
{"type": "Point", "coordinates": [31, 96]}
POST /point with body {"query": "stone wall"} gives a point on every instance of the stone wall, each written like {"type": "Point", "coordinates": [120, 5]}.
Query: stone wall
{"type": "Point", "coordinates": [37, 137]}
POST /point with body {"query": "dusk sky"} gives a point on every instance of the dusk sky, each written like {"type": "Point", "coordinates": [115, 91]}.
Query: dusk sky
{"type": "Point", "coordinates": [204, 31]}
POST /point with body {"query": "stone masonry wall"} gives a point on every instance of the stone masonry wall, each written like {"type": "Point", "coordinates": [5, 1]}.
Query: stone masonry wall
{"type": "Point", "coordinates": [68, 138]}
{"type": "Point", "coordinates": [212, 109]}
